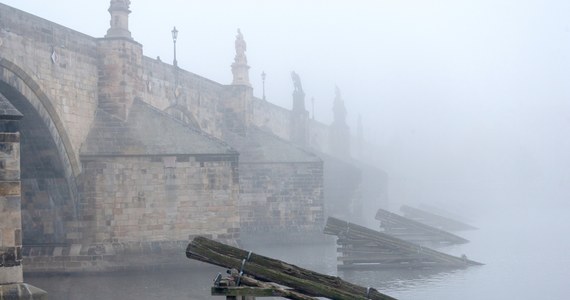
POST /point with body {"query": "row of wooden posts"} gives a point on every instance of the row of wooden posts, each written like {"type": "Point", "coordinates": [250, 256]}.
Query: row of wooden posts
{"type": "Point", "coordinates": [399, 243]}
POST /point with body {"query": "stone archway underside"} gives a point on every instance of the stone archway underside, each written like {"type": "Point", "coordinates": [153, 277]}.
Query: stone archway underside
{"type": "Point", "coordinates": [46, 200]}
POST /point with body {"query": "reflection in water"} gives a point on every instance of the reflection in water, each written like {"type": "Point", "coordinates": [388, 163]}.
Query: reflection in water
{"type": "Point", "coordinates": [398, 279]}
{"type": "Point", "coordinates": [192, 282]}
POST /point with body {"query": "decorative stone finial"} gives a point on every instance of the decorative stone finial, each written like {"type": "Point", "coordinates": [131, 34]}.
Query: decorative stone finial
{"type": "Point", "coordinates": [338, 107]}
{"type": "Point", "coordinates": [359, 136]}
{"type": "Point", "coordinates": [298, 93]}
{"type": "Point", "coordinates": [240, 69]}
{"type": "Point", "coordinates": [339, 131]}
{"type": "Point", "coordinates": [299, 116]}
{"type": "Point", "coordinates": [119, 11]}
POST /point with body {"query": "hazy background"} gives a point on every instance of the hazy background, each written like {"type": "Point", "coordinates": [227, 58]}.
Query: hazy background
{"type": "Point", "coordinates": [467, 101]}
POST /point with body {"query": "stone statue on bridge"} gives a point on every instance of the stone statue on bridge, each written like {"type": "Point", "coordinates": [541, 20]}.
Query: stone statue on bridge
{"type": "Point", "coordinates": [240, 67]}
{"type": "Point", "coordinates": [299, 115]}
{"type": "Point", "coordinates": [338, 107]}
{"type": "Point", "coordinates": [297, 82]}
{"type": "Point", "coordinates": [241, 47]}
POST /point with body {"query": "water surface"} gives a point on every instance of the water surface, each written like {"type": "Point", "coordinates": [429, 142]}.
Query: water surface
{"type": "Point", "coordinates": [526, 254]}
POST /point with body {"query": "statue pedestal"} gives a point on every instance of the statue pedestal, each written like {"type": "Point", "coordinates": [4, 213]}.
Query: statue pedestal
{"type": "Point", "coordinates": [17, 291]}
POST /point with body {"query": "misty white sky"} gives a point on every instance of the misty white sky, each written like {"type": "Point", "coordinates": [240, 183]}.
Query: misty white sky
{"type": "Point", "coordinates": [456, 93]}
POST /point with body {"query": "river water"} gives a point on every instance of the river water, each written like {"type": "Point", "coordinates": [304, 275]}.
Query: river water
{"type": "Point", "coordinates": [526, 254]}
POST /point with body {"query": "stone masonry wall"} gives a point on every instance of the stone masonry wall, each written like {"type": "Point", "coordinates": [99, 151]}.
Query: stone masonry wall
{"type": "Point", "coordinates": [281, 197]}
{"type": "Point", "coordinates": [119, 74]}
{"type": "Point", "coordinates": [277, 120]}
{"type": "Point", "coordinates": [319, 136]}
{"type": "Point", "coordinates": [146, 198]}
{"type": "Point", "coordinates": [272, 118]}
{"type": "Point", "coordinates": [11, 270]}
{"type": "Point", "coordinates": [46, 199]}
{"type": "Point", "coordinates": [153, 198]}
{"type": "Point", "coordinates": [61, 61]}
{"type": "Point", "coordinates": [187, 96]}
{"type": "Point", "coordinates": [64, 63]}
{"type": "Point", "coordinates": [10, 222]}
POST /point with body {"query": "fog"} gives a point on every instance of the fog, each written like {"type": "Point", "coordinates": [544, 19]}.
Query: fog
{"type": "Point", "coordinates": [464, 104]}
{"type": "Point", "coordinates": [465, 101]}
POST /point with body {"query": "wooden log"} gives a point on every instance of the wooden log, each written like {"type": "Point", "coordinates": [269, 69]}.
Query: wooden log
{"type": "Point", "coordinates": [272, 270]}
{"type": "Point", "coordinates": [277, 290]}
{"type": "Point", "coordinates": [239, 291]}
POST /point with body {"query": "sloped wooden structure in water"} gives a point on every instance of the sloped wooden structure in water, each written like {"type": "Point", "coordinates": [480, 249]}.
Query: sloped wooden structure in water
{"type": "Point", "coordinates": [413, 231]}
{"type": "Point", "coordinates": [364, 248]}
{"type": "Point", "coordinates": [434, 220]}
{"type": "Point", "coordinates": [264, 269]}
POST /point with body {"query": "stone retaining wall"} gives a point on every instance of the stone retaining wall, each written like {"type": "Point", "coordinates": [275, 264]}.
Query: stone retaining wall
{"type": "Point", "coordinates": [281, 197]}
{"type": "Point", "coordinates": [130, 199]}
{"type": "Point", "coordinates": [104, 257]}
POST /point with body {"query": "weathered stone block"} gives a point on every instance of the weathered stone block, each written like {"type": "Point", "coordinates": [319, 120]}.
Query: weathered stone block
{"type": "Point", "coordinates": [10, 188]}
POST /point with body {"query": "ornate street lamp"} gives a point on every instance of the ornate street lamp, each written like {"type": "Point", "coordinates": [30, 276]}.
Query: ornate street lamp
{"type": "Point", "coordinates": [263, 75]}
{"type": "Point", "coordinates": [174, 37]}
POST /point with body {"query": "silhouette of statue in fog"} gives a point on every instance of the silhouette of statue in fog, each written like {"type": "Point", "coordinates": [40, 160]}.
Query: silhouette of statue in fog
{"type": "Point", "coordinates": [296, 82]}
{"type": "Point", "coordinates": [241, 46]}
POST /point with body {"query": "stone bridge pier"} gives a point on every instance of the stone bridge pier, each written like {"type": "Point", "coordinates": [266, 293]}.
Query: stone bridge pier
{"type": "Point", "coordinates": [12, 285]}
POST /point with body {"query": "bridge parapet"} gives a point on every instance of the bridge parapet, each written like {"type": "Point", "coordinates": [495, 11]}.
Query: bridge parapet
{"type": "Point", "coordinates": [183, 94]}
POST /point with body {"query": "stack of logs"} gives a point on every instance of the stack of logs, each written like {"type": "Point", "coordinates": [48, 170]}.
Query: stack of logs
{"type": "Point", "coordinates": [268, 275]}
{"type": "Point", "coordinates": [362, 248]}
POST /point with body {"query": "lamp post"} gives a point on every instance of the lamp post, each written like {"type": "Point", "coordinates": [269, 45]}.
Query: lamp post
{"type": "Point", "coordinates": [174, 37]}
{"type": "Point", "coordinates": [263, 75]}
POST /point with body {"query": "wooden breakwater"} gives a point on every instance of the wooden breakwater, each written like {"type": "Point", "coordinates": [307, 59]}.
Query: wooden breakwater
{"type": "Point", "coordinates": [265, 269]}
{"type": "Point", "coordinates": [434, 220]}
{"type": "Point", "coordinates": [414, 231]}
{"type": "Point", "coordinates": [364, 248]}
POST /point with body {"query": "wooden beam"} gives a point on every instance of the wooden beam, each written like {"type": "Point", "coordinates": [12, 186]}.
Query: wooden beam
{"type": "Point", "coordinates": [277, 290]}
{"type": "Point", "coordinates": [434, 220]}
{"type": "Point", "coordinates": [242, 291]}
{"type": "Point", "coordinates": [363, 236]}
{"type": "Point", "coordinates": [271, 270]}
{"type": "Point", "coordinates": [414, 231]}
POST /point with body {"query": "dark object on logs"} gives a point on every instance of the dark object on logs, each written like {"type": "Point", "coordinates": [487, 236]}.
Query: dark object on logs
{"type": "Point", "coordinates": [267, 269]}
{"type": "Point", "coordinates": [414, 231]}
{"type": "Point", "coordinates": [253, 288]}
{"type": "Point", "coordinates": [362, 247]}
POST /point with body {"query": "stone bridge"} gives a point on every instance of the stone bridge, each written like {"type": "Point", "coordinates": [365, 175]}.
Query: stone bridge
{"type": "Point", "coordinates": [119, 150]}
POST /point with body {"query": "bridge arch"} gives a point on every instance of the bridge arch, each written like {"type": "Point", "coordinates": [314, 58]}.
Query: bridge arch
{"type": "Point", "coordinates": [49, 166]}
